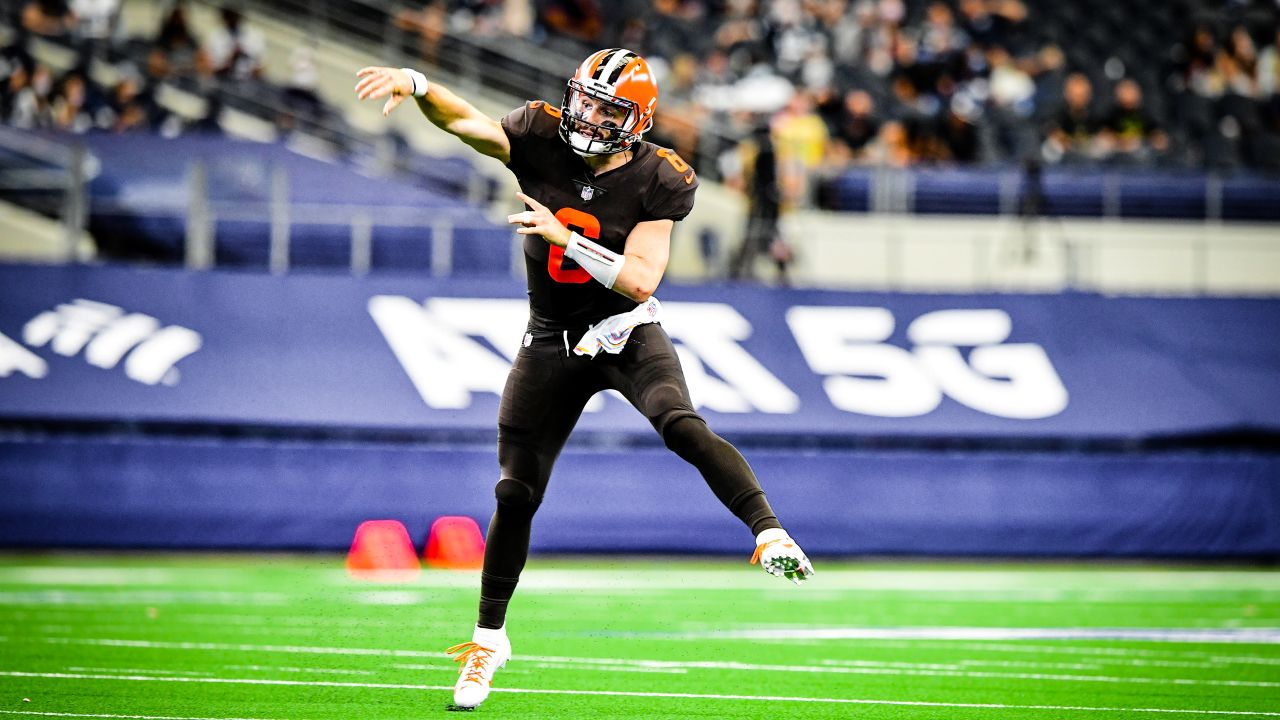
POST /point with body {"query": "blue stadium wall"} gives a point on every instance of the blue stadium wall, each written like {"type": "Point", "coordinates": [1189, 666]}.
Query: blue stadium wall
{"type": "Point", "coordinates": [159, 408]}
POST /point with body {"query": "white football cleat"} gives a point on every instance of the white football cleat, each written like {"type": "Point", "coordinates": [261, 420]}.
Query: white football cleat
{"type": "Point", "coordinates": [478, 660]}
{"type": "Point", "coordinates": [779, 555]}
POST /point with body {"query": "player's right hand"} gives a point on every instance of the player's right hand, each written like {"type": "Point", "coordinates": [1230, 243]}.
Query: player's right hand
{"type": "Point", "coordinates": [379, 82]}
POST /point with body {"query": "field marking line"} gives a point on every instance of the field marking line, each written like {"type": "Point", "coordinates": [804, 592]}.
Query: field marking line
{"type": "Point", "coordinates": [746, 667]}
{"type": "Point", "coordinates": [1259, 636]}
{"type": "Point", "coordinates": [151, 671]}
{"type": "Point", "coordinates": [622, 693]}
{"type": "Point", "coordinates": [280, 668]}
{"type": "Point", "coordinates": [1109, 652]}
{"type": "Point", "coordinates": [80, 598]}
{"type": "Point", "coordinates": [129, 717]}
{"type": "Point", "coordinates": [1027, 583]}
{"type": "Point", "coordinates": [922, 671]}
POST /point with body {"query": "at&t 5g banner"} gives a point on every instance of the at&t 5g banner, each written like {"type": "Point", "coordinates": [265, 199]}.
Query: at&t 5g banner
{"type": "Point", "coordinates": [89, 344]}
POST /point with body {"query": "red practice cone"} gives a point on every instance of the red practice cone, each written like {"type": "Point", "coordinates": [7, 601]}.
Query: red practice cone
{"type": "Point", "coordinates": [382, 551]}
{"type": "Point", "coordinates": [455, 543]}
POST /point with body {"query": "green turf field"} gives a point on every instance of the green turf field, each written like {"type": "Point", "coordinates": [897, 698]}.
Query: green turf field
{"type": "Point", "coordinates": [196, 636]}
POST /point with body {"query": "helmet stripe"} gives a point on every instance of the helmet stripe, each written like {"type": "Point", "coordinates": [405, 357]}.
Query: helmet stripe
{"type": "Point", "coordinates": [591, 66]}
{"type": "Point", "coordinates": [610, 69]}
{"type": "Point", "coordinates": [622, 65]}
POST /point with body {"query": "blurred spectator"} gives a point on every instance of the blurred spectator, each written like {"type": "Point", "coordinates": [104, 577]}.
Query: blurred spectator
{"type": "Point", "coordinates": [958, 132]}
{"type": "Point", "coordinates": [576, 20]}
{"type": "Point", "coordinates": [301, 89]}
{"type": "Point", "coordinates": [517, 17]}
{"type": "Point", "coordinates": [740, 28]}
{"type": "Point", "coordinates": [895, 146]}
{"type": "Point", "coordinates": [95, 25]}
{"type": "Point", "coordinates": [1269, 67]}
{"type": "Point", "coordinates": [858, 125]}
{"type": "Point", "coordinates": [430, 24]}
{"type": "Point", "coordinates": [940, 49]}
{"type": "Point", "coordinates": [1012, 103]}
{"type": "Point", "coordinates": [51, 18]}
{"type": "Point", "coordinates": [1130, 134]}
{"type": "Point", "coordinates": [1071, 136]}
{"type": "Point", "coordinates": [672, 29]}
{"type": "Point", "coordinates": [175, 50]}
{"type": "Point", "coordinates": [756, 175]}
{"type": "Point", "coordinates": [235, 49]}
{"type": "Point", "coordinates": [72, 109]}
{"type": "Point", "coordinates": [1241, 63]}
{"type": "Point", "coordinates": [800, 141]}
{"type": "Point", "coordinates": [478, 18]}
{"type": "Point", "coordinates": [127, 108]}
{"type": "Point", "coordinates": [680, 120]}
{"type": "Point", "coordinates": [1269, 81]}
{"type": "Point", "coordinates": [1198, 69]}
{"type": "Point", "coordinates": [988, 23]}
{"type": "Point", "coordinates": [24, 103]}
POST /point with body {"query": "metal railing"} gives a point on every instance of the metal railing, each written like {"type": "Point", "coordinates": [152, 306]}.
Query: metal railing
{"type": "Point", "coordinates": [50, 178]}
{"type": "Point", "coordinates": [203, 214]}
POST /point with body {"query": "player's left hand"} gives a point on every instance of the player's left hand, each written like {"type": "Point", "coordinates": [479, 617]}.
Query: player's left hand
{"type": "Point", "coordinates": [539, 221]}
{"type": "Point", "coordinates": [782, 557]}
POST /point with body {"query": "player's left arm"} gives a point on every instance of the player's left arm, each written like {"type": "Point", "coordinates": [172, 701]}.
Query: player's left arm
{"type": "Point", "coordinates": [647, 251]}
{"type": "Point", "coordinates": [634, 273]}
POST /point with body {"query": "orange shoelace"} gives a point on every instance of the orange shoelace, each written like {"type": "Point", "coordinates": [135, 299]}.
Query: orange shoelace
{"type": "Point", "coordinates": [471, 661]}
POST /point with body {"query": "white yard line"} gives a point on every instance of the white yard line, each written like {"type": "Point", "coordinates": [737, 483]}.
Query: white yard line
{"type": "Point", "coordinates": [918, 671]}
{"type": "Point", "coordinates": [579, 665]}
{"type": "Point", "coordinates": [295, 649]}
{"type": "Point", "coordinates": [1135, 657]}
{"type": "Point", "coordinates": [86, 575]}
{"type": "Point", "coordinates": [925, 579]}
{"type": "Point", "coordinates": [1260, 636]}
{"type": "Point", "coordinates": [583, 662]}
{"type": "Point", "coordinates": [620, 693]}
{"type": "Point", "coordinates": [1099, 585]}
{"type": "Point", "coordinates": [80, 668]}
{"type": "Point", "coordinates": [101, 715]}
{"type": "Point", "coordinates": [289, 669]}
{"type": "Point", "coordinates": [48, 597]}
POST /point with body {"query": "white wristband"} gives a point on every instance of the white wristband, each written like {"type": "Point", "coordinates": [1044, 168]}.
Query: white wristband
{"type": "Point", "coordinates": [600, 262]}
{"type": "Point", "coordinates": [419, 81]}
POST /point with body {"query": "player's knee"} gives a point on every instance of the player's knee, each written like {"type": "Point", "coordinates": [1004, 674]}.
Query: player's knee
{"type": "Point", "coordinates": [687, 435]}
{"type": "Point", "coordinates": [515, 495]}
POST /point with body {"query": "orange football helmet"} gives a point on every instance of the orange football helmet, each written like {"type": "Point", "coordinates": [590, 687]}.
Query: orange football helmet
{"type": "Point", "coordinates": [609, 103]}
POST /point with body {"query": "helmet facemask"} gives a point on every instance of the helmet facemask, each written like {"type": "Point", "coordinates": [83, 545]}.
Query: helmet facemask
{"type": "Point", "coordinates": [594, 121]}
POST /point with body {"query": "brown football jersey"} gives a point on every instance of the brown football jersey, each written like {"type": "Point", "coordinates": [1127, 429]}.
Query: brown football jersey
{"type": "Point", "coordinates": [655, 185]}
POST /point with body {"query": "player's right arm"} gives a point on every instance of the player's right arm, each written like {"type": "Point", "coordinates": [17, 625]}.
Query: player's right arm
{"type": "Point", "coordinates": [442, 107]}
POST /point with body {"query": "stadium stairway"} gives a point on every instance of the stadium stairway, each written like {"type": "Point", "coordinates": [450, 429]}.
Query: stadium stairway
{"type": "Point", "coordinates": [26, 236]}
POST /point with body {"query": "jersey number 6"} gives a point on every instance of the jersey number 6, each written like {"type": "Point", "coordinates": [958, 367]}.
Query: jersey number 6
{"type": "Point", "coordinates": [578, 221]}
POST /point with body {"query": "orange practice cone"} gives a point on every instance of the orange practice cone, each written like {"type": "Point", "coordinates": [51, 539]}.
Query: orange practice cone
{"type": "Point", "coordinates": [382, 551]}
{"type": "Point", "coordinates": [455, 543]}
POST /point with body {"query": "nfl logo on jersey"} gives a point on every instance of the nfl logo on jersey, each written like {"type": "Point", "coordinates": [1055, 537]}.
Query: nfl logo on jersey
{"type": "Point", "coordinates": [587, 192]}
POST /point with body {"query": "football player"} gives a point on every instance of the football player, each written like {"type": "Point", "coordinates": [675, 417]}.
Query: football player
{"type": "Point", "coordinates": [600, 205]}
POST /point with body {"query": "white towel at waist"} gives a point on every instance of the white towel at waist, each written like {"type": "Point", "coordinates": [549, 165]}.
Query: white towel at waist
{"type": "Point", "coordinates": [611, 333]}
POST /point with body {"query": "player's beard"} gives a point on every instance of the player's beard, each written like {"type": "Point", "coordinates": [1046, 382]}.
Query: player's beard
{"type": "Point", "coordinates": [585, 145]}
{"type": "Point", "coordinates": [604, 141]}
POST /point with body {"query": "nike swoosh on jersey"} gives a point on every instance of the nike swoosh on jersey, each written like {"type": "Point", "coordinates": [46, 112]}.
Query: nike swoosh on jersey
{"type": "Point", "coordinates": [688, 179]}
